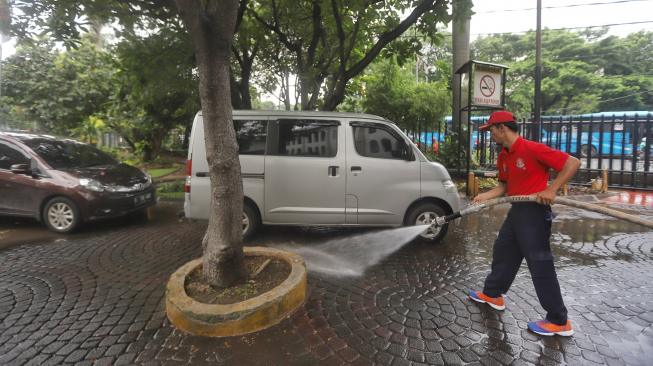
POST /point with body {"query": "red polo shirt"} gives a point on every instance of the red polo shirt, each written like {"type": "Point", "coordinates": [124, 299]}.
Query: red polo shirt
{"type": "Point", "coordinates": [525, 168]}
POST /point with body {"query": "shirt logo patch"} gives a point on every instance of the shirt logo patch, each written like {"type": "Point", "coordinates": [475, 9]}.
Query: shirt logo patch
{"type": "Point", "coordinates": [520, 163]}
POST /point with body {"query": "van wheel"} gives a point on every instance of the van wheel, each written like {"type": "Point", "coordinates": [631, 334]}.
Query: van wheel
{"type": "Point", "coordinates": [251, 221]}
{"type": "Point", "coordinates": [423, 214]}
{"type": "Point", "coordinates": [61, 215]}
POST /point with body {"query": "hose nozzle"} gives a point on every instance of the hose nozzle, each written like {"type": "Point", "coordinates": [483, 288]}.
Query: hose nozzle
{"type": "Point", "coordinates": [439, 221]}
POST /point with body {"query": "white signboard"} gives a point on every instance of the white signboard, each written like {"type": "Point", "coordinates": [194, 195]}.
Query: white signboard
{"type": "Point", "coordinates": [487, 87]}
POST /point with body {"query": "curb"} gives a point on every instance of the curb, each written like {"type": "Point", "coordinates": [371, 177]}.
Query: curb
{"type": "Point", "coordinates": [257, 313]}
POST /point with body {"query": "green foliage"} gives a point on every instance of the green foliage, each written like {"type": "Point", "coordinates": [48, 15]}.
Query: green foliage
{"type": "Point", "coordinates": [160, 172]}
{"type": "Point", "coordinates": [450, 154]}
{"type": "Point", "coordinates": [487, 183]}
{"type": "Point", "coordinates": [582, 71]}
{"type": "Point", "coordinates": [171, 190]}
{"type": "Point", "coordinates": [327, 44]}
{"type": "Point", "coordinates": [56, 91]}
{"type": "Point", "coordinates": [122, 154]}
{"type": "Point", "coordinates": [391, 91]}
{"type": "Point", "coordinates": [156, 89]}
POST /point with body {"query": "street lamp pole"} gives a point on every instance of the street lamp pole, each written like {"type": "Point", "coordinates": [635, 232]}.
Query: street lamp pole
{"type": "Point", "coordinates": [537, 123]}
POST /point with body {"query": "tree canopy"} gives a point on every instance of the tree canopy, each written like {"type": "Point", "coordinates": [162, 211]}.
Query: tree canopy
{"type": "Point", "coordinates": [582, 71]}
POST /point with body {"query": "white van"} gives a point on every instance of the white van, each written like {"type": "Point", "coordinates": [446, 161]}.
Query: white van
{"type": "Point", "coordinates": [325, 169]}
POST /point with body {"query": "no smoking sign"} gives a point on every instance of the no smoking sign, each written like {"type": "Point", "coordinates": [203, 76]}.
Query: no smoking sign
{"type": "Point", "coordinates": [487, 88]}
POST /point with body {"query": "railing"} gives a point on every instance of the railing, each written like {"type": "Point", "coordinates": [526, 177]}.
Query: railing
{"type": "Point", "coordinates": [622, 144]}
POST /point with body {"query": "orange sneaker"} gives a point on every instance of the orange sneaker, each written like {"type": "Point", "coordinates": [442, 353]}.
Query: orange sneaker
{"type": "Point", "coordinates": [546, 328]}
{"type": "Point", "coordinates": [494, 302]}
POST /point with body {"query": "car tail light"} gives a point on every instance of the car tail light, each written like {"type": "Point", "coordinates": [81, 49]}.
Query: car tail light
{"type": "Point", "coordinates": [189, 171]}
{"type": "Point", "coordinates": [187, 185]}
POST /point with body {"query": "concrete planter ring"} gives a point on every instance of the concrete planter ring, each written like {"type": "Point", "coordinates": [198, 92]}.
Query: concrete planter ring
{"type": "Point", "coordinates": [251, 315]}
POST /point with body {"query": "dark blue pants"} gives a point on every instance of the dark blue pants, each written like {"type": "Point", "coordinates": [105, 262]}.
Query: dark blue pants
{"type": "Point", "coordinates": [525, 234]}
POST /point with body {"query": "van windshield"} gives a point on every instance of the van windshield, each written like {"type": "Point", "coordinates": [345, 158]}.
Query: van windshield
{"type": "Point", "coordinates": [68, 154]}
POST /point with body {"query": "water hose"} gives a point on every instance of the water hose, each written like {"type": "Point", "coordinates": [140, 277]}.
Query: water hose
{"type": "Point", "coordinates": [439, 221]}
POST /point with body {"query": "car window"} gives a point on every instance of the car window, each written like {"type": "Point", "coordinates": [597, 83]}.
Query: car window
{"type": "Point", "coordinates": [377, 142]}
{"type": "Point", "coordinates": [303, 137]}
{"type": "Point", "coordinates": [10, 156]}
{"type": "Point", "coordinates": [251, 136]}
{"type": "Point", "coordinates": [68, 154]}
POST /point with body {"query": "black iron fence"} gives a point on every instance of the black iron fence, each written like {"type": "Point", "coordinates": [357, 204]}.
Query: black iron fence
{"type": "Point", "coordinates": [622, 144]}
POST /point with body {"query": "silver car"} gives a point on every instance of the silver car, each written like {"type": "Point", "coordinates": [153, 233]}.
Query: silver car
{"type": "Point", "coordinates": [325, 169]}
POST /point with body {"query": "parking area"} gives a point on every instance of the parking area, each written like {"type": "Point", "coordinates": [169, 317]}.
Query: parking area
{"type": "Point", "coordinates": [97, 297]}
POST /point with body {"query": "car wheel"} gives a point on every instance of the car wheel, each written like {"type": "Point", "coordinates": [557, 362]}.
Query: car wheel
{"type": "Point", "coordinates": [61, 215]}
{"type": "Point", "coordinates": [423, 214]}
{"type": "Point", "coordinates": [251, 221]}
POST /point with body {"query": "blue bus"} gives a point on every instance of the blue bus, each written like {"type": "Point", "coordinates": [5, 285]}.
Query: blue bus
{"type": "Point", "coordinates": [430, 138]}
{"type": "Point", "coordinates": [603, 133]}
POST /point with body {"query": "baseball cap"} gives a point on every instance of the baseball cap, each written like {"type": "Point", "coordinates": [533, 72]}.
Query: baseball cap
{"type": "Point", "coordinates": [498, 117]}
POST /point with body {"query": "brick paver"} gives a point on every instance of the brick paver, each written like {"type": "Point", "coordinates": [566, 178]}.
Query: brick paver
{"type": "Point", "coordinates": [98, 299]}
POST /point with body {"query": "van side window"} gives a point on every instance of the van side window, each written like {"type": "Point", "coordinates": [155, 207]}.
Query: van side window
{"type": "Point", "coordinates": [251, 136]}
{"type": "Point", "coordinates": [299, 137]}
{"type": "Point", "coordinates": [376, 142]}
{"type": "Point", "coordinates": [10, 156]}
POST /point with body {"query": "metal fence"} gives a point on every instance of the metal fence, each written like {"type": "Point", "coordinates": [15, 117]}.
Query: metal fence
{"type": "Point", "coordinates": [622, 144]}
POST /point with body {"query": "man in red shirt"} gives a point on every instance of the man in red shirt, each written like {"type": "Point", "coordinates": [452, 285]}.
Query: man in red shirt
{"type": "Point", "coordinates": [524, 170]}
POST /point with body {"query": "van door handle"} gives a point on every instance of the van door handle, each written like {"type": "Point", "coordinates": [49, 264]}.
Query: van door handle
{"type": "Point", "coordinates": [333, 171]}
{"type": "Point", "coordinates": [356, 169]}
{"type": "Point", "coordinates": [202, 174]}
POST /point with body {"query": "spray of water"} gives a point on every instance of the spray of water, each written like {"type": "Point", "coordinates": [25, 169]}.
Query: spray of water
{"type": "Point", "coordinates": [351, 256]}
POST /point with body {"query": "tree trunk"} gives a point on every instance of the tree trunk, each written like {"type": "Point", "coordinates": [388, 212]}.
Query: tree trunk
{"type": "Point", "coordinates": [460, 44]}
{"type": "Point", "coordinates": [236, 100]}
{"type": "Point", "coordinates": [245, 76]}
{"type": "Point", "coordinates": [211, 24]}
{"type": "Point", "coordinates": [147, 154]}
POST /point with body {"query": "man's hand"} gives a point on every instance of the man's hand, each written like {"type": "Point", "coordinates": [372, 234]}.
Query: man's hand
{"type": "Point", "coordinates": [495, 192]}
{"type": "Point", "coordinates": [547, 196]}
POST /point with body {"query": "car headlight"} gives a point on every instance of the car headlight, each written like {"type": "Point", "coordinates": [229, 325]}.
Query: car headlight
{"type": "Point", "coordinates": [91, 185]}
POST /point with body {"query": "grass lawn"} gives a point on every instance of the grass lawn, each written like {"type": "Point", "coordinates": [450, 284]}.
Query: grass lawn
{"type": "Point", "coordinates": [171, 195]}
{"type": "Point", "coordinates": [160, 172]}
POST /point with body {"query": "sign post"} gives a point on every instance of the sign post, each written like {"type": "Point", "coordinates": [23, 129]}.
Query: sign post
{"type": "Point", "coordinates": [485, 89]}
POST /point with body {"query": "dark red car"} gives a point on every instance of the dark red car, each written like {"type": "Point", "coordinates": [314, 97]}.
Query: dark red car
{"type": "Point", "coordinates": [63, 183]}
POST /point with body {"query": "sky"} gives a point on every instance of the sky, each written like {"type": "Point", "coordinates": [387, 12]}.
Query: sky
{"type": "Point", "coordinates": [498, 16]}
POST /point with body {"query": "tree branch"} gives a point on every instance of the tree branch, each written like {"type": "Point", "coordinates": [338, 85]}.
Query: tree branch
{"type": "Point", "coordinates": [388, 37]}
{"type": "Point", "coordinates": [318, 31]}
{"type": "Point", "coordinates": [283, 38]}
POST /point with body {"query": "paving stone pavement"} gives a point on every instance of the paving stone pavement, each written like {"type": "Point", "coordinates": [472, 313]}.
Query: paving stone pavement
{"type": "Point", "coordinates": [99, 300]}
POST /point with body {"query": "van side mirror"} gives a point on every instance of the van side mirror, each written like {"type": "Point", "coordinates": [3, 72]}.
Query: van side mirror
{"type": "Point", "coordinates": [407, 152]}
{"type": "Point", "coordinates": [20, 169]}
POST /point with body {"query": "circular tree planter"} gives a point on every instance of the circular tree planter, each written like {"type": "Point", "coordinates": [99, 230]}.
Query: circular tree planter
{"type": "Point", "coordinates": [244, 317]}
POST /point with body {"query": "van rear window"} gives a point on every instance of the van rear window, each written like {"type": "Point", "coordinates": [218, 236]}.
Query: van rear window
{"type": "Point", "coordinates": [251, 136]}
{"type": "Point", "coordinates": [303, 137]}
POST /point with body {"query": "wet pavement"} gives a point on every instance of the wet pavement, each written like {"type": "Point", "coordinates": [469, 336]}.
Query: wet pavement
{"type": "Point", "coordinates": [96, 297]}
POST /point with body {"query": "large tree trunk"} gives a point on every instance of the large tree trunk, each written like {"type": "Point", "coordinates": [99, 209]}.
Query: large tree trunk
{"type": "Point", "coordinates": [460, 45]}
{"type": "Point", "coordinates": [211, 24]}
